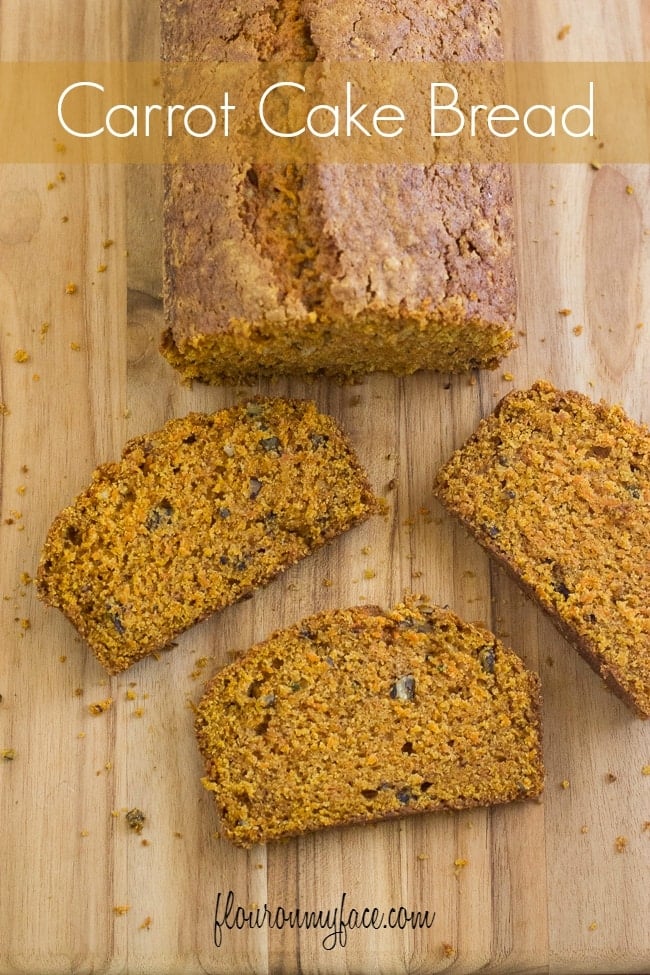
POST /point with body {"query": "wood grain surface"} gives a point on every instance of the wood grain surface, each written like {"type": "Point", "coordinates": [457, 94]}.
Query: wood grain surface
{"type": "Point", "coordinates": [544, 888]}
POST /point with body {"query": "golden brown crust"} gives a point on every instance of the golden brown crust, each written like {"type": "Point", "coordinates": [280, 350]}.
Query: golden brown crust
{"type": "Point", "coordinates": [333, 269]}
{"type": "Point", "coordinates": [583, 552]}
{"type": "Point", "coordinates": [359, 715]}
{"type": "Point", "coordinates": [197, 516]}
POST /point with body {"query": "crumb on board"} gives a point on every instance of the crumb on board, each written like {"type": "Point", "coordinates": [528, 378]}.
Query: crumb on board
{"type": "Point", "coordinates": [508, 377]}
{"type": "Point", "coordinates": [4, 410]}
{"type": "Point", "coordinates": [75, 346]}
{"type": "Point", "coordinates": [578, 330]}
{"type": "Point", "coordinates": [645, 770]}
{"type": "Point", "coordinates": [621, 844]}
{"type": "Point", "coordinates": [101, 268]}
{"type": "Point", "coordinates": [629, 190]}
{"type": "Point", "coordinates": [611, 777]}
{"type": "Point", "coordinates": [107, 243]}
{"type": "Point", "coordinates": [565, 312]}
{"type": "Point", "coordinates": [121, 909]}
{"type": "Point", "coordinates": [448, 951]}
{"type": "Point", "coordinates": [593, 926]}
{"type": "Point", "coordinates": [135, 819]}
{"type": "Point", "coordinates": [146, 924]}
{"type": "Point", "coordinates": [7, 754]}
{"type": "Point", "coordinates": [459, 864]}
{"type": "Point", "coordinates": [584, 829]}
{"type": "Point", "coordinates": [369, 574]}
{"type": "Point", "coordinates": [21, 355]}
{"type": "Point", "coordinates": [595, 165]}
{"type": "Point", "coordinates": [565, 784]}
{"type": "Point", "coordinates": [98, 707]}
{"type": "Point", "coordinates": [71, 288]}
{"type": "Point", "coordinates": [563, 32]}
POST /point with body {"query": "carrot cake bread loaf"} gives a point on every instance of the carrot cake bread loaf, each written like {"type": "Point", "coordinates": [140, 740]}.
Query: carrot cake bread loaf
{"type": "Point", "coordinates": [196, 516]}
{"type": "Point", "coordinates": [336, 269]}
{"type": "Point", "coordinates": [557, 488]}
{"type": "Point", "coordinates": [358, 715]}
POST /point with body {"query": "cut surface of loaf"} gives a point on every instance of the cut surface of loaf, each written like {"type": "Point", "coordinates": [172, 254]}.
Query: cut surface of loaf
{"type": "Point", "coordinates": [359, 715]}
{"type": "Point", "coordinates": [196, 516]}
{"type": "Point", "coordinates": [557, 489]}
{"type": "Point", "coordinates": [336, 269]}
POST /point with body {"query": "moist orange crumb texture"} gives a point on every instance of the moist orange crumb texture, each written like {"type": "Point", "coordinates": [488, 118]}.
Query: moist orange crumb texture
{"type": "Point", "coordinates": [359, 715]}
{"type": "Point", "coordinates": [557, 488]}
{"type": "Point", "coordinates": [195, 516]}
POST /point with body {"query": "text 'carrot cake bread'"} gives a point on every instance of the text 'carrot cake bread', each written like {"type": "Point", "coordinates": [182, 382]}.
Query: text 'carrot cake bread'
{"type": "Point", "coordinates": [557, 488]}
{"type": "Point", "coordinates": [326, 268]}
{"type": "Point", "coordinates": [196, 516]}
{"type": "Point", "coordinates": [359, 715]}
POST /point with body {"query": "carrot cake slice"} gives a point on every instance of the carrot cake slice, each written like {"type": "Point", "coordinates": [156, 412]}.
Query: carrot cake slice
{"type": "Point", "coordinates": [359, 715]}
{"type": "Point", "coordinates": [557, 489]}
{"type": "Point", "coordinates": [196, 516]}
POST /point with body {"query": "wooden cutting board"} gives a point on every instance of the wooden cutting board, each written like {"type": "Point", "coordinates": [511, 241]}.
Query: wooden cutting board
{"type": "Point", "coordinates": [559, 886]}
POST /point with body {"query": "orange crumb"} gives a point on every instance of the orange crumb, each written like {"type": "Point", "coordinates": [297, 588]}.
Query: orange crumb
{"type": "Point", "coordinates": [593, 926]}
{"type": "Point", "coordinates": [121, 909]}
{"type": "Point", "coordinates": [369, 574]}
{"type": "Point", "coordinates": [101, 268]}
{"type": "Point", "coordinates": [146, 924]}
{"type": "Point", "coordinates": [21, 355]}
{"type": "Point", "coordinates": [563, 32]}
{"type": "Point", "coordinates": [629, 190]}
{"type": "Point", "coordinates": [448, 950]}
{"type": "Point", "coordinates": [107, 243]}
{"type": "Point", "coordinates": [565, 784]}
{"type": "Point", "coordinates": [100, 706]}
{"type": "Point", "coordinates": [578, 330]}
{"type": "Point", "coordinates": [645, 770]}
{"type": "Point", "coordinates": [508, 377]}
{"type": "Point", "coordinates": [75, 346]}
{"type": "Point", "coordinates": [565, 312]}
{"type": "Point", "coordinates": [620, 844]}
